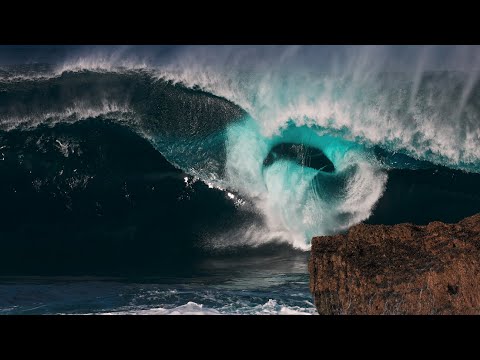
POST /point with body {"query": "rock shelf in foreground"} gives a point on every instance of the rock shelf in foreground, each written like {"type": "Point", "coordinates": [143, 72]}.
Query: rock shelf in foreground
{"type": "Point", "coordinates": [399, 269]}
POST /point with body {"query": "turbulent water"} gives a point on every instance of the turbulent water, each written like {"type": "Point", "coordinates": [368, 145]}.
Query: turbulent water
{"type": "Point", "coordinates": [195, 186]}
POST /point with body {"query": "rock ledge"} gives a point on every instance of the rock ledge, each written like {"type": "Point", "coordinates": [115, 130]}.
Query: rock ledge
{"type": "Point", "coordinates": [399, 269]}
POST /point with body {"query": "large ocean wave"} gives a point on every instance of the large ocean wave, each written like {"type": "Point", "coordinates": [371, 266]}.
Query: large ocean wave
{"type": "Point", "coordinates": [306, 152]}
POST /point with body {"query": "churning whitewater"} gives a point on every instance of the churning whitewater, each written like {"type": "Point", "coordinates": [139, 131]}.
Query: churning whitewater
{"type": "Point", "coordinates": [306, 150]}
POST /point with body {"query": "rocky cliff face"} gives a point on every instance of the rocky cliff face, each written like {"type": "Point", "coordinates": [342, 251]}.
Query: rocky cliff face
{"type": "Point", "coordinates": [400, 269]}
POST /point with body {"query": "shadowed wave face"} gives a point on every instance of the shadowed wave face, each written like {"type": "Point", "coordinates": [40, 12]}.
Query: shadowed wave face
{"type": "Point", "coordinates": [151, 169]}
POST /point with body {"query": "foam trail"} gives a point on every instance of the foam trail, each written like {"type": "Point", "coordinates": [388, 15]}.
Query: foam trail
{"type": "Point", "coordinates": [271, 307]}
{"type": "Point", "coordinates": [190, 308]}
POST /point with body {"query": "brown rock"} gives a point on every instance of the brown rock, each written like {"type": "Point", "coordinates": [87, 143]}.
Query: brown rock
{"type": "Point", "coordinates": [399, 269]}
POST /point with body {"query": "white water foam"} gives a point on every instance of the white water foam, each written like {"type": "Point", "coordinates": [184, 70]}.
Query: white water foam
{"type": "Point", "coordinates": [189, 308]}
{"type": "Point", "coordinates": [77, 112]}
{"type": "Point", "coordinates": [271, 307]}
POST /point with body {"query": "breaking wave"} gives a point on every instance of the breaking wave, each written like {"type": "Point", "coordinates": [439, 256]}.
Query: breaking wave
{"type": "Point", "coordinates": [307, 152]}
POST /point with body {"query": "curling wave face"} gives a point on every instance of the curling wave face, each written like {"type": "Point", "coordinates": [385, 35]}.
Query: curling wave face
{"type": "Point", "coordinates": [300, 150]}
{"type": "Point", "coordinates": [303, 182]}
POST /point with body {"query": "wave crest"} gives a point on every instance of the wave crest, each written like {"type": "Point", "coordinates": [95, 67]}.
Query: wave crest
{"type": "Point", "coordinates": [223, 133]}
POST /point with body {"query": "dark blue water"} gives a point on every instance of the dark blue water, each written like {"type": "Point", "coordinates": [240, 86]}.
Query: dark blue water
{"type": "Point", "coordinates": [265, 285]}
{"type": "Point", "coordinates": [109, 226]}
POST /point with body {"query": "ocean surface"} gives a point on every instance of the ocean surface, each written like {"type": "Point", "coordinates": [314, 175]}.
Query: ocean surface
{"type": "Point", "coordinates": [190, 180]}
